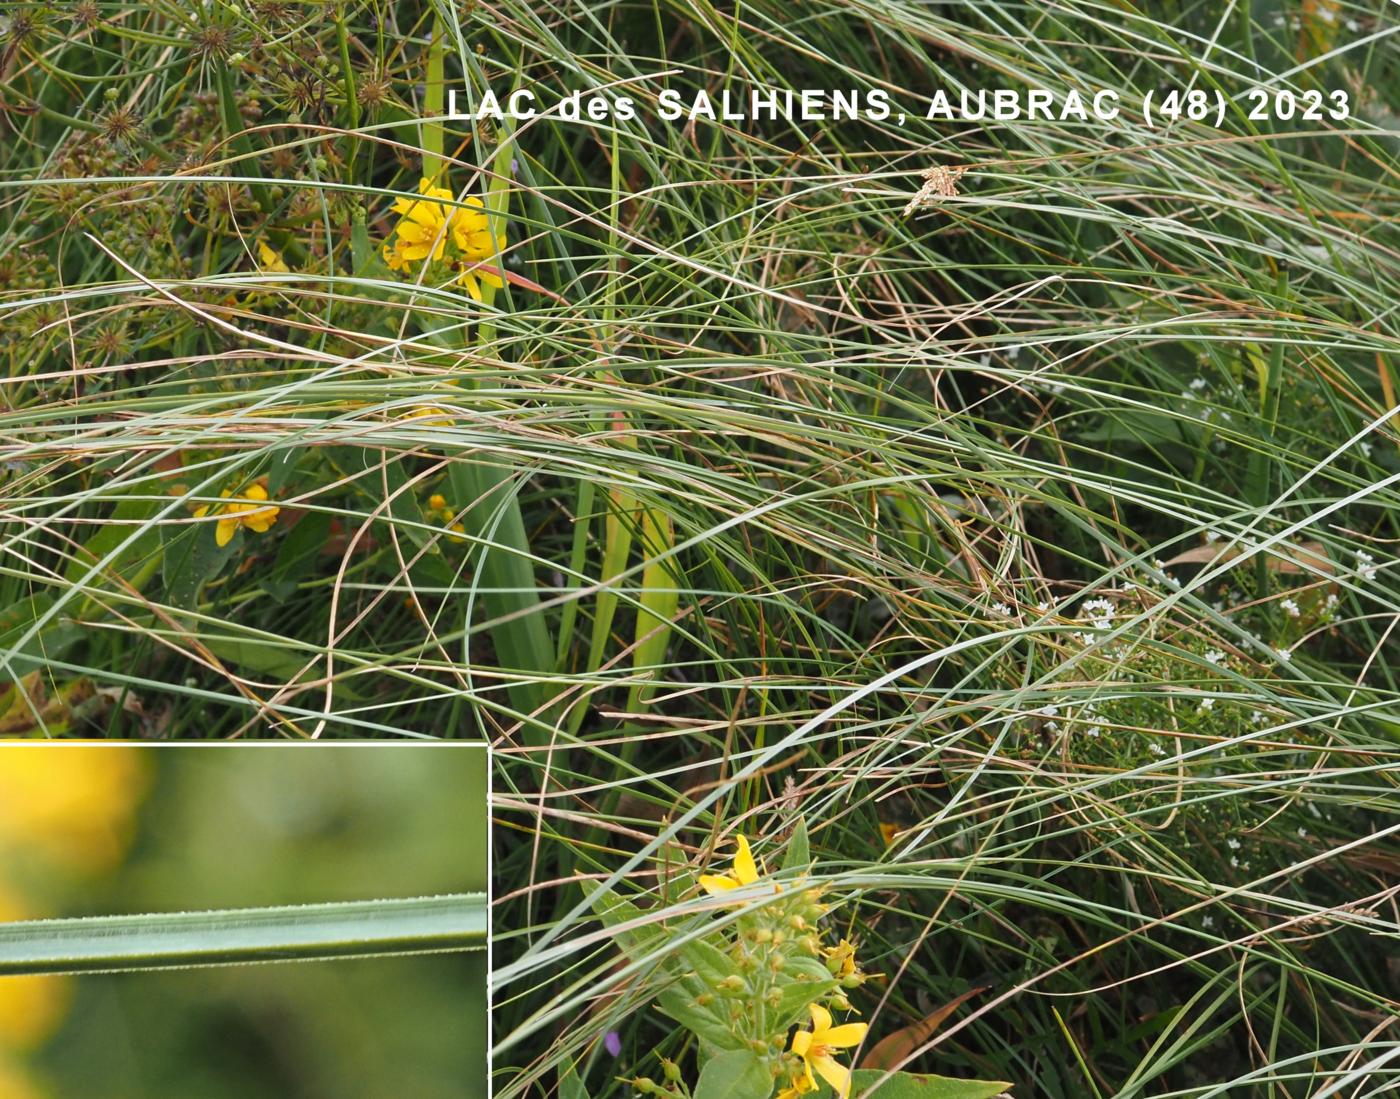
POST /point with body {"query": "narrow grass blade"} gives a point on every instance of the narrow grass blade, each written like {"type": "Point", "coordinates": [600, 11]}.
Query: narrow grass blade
{"type": "Point", "coordinates": [106, 944]}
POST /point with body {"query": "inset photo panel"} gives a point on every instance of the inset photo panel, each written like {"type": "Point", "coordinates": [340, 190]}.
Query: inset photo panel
{"type": "Point", "coordinates": [243, 920]}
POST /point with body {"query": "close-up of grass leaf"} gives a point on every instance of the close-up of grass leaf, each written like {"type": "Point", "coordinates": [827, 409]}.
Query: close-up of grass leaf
{"type": "Point", "coordinates": [908, 490]}
{"type": "Point", "coordinates": [235, 920]}
{"type": "Point", "coordinates": [106, 944]}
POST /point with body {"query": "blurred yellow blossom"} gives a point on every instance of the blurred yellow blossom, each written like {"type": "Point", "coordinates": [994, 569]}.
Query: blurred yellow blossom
{"type": "Point", "coordinates": [269, 259]}
{"type": "Point", "coordinates": [30, 1007]}
{"type": "Point", "coordinates": [16, 1084]}
{"type": "Point", "coordinates": [73, 804]}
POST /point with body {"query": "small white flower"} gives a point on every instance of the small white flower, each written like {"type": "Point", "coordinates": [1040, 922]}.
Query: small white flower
{"type": "Point", "coordinates": [1207, 922]}
{"type": "Point", "coordinates": [1365, 448]}
{"type": "Point", "coordinates": [1156, 749]}
{"type": "Point", "coordinates": [1049, 711]}
{"type": "Point", "coordinates": [1198, 383]}
{"type": "Point", "coordinates": [1313, 809]}
{"type": "Point", "coordinates": [1302, 832]}
{"type": "Point", "coordinates": [1283, 655]}
{"type": "Point", "coordinates": [1232, 843]}
{"type": "Point", "coordinates": [1234, 862]}
{"type": "Point", "coordinates": [1365, 565]}
{"type": "Point", "coordinates": [1216, 657]}
{"type": "Point", "coordinates": [1001, 609]}
{"type": "Point", "coordinates": [1099, 612]}
{"type": "Point", "coordinates": [1043, 605]}
{"type": "Point", "coordinates": [1206, 704]}
{"type": "Point", "coordinates": [1290, 608]}
{"type": "Point", "coordinates": [1212, 536]}
{"type": "Point", "coordinates": [1331, 600]}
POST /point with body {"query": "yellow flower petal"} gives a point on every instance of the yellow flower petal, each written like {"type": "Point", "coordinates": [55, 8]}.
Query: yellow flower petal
{"type": "Point", "coordinates": [224, 532]}
{"type": "Point", "coordinates": [717, 884]}
{"type": "Point", "coordinates": [845, 1036]}
{"type": "Point", "coordinates": [838, 1076]}
{"type": "Point", "coordinates": [269, 259]}
{"type": "Point", "coordinates": [745, 869]}
{"type": "Point", "coordinates": [821, 1020]}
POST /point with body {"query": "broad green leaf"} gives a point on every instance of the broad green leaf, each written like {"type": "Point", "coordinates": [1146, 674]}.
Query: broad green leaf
{"type": "Point", "coordinates": [191, 557]}
{"type": "Point", "coordinates": [796, 995]}
{"type": "Point", "coordinates": [659, 598]}
{"type": "Point", "coordinates": [570, 1086]}
{"type": "Point", "coordinates": [799, 852]}
{"type": "Point", "coordinates": [107, 944]}
{"type": "Point", "coordinates": [617, 544]}
{"type": "Point", "coordinates": [135, 563]}
{"type": "Point", "coordinates": [505, 571]}
{"type": "Point", "coordinates": [679, 1003]}
{"type": "Point", "coordinates": [710, 963]}
{"type": "Point", "coordinates": [50, 644]}
{"type": "Point", "coordinates": [616, 911]}
{"type": "Point", "coordinates": [734, 1074]}
{"type": "Point", "coordinates": [909, 1085]}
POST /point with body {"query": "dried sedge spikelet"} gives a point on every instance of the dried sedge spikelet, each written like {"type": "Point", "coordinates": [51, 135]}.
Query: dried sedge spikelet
{"type": "Point", "coordinates": [214, 42]}
{"type": "Point", "coordinates": [939, 183]}
{"type": "Point", "coordinates": [22, 25]}
{"type": "Point", "coordinates": [86, 14]}
{"type": "Point", "coordinates": [120, 126]}
{"type": "Point", "coordinates": [275, 11]}
{"type": "Point", "coordinates": [373, 91]}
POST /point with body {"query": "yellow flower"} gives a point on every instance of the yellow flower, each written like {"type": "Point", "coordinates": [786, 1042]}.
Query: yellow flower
{"type": "Point", "coordinates": [814, 1047]}
{"type": "Point", "coordinates": [269, 259]}
{"type": "Point", "coordinates": [844, 955]}
{"type": "Point", "coordinates": [802, 1084]}
{"type": "Point", "coordinates": [423, 228]}
{"type": "Point", "coordinates": [437, 501]}
{"type": "Point", "coordinates": [744, 872]}
{"type": "Point", "coordinates": [244, 511]}
{"type": "Point", "coordinates": [471, 233]}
